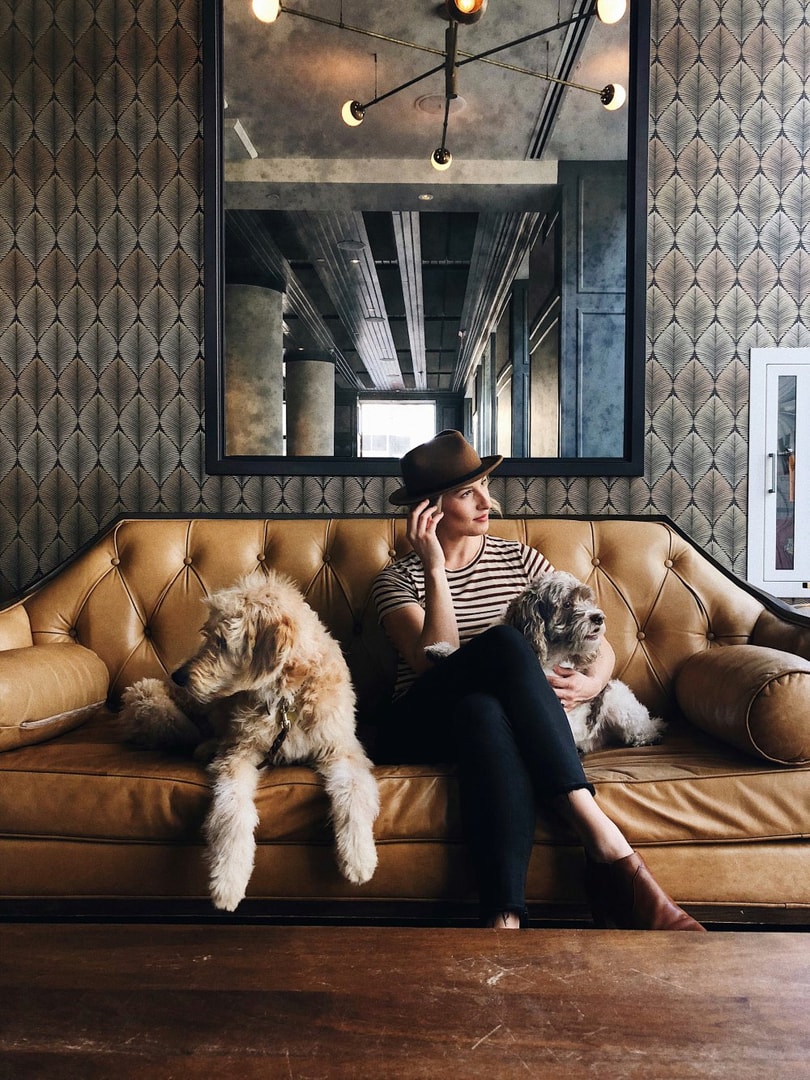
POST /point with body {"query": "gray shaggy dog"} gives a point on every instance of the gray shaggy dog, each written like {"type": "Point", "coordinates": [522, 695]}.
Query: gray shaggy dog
{"type": "Point", "coordinates": [558, 616]}
{"type": "Point", "coordinates": [268, 683]}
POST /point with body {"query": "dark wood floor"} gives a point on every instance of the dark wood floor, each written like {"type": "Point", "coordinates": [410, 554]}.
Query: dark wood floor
{"type": "Point", "coordinates": [92, 1001]}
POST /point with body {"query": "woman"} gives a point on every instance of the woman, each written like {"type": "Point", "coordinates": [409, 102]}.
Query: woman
{"type": "Point", "coordinates": [488, 706]}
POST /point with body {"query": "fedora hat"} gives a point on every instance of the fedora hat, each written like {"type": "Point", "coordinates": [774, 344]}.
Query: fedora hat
{"type": "Point", "coordinates": [445, 462]}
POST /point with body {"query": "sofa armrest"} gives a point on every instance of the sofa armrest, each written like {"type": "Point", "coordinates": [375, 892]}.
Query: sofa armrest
{"type": "Point", "coordinates": [755, 698]}
{"type": "Point", "coordinates": [15, 628]}
{"type": "Point", "coordinates": [791, 635]}
{"type": "Point", "coordinates": [46, 690]}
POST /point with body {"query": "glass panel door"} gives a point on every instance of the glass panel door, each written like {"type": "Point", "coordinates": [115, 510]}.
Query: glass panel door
{"type": "Point", "coordinates": [779, 472]}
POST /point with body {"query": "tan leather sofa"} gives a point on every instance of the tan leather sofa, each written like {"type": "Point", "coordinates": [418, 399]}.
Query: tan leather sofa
{"type": "Point", "coordinates": [720, 810]}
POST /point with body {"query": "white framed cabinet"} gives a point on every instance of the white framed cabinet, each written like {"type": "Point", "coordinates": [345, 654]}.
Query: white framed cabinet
{"type": "Point", "coordinates": [779, 472]}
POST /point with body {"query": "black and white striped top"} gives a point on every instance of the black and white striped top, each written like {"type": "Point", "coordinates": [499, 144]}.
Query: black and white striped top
{"type": "Point", "coordinates": [480, 591]}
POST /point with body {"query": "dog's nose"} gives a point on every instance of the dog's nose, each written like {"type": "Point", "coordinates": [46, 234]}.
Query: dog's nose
{"type": "Point", "coordinates": [180, 677]}
{"type": "Point", "coordinates": [597, 618]}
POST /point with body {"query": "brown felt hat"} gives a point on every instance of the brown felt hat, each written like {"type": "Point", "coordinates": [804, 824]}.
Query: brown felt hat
{"type": "Point", "coordinates": [444, 463]}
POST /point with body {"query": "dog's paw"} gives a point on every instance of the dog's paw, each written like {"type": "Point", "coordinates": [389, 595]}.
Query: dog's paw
{"type": "Point", "coordinates": [230, 860]}
{"type": "Point", "coordinates": [225, 896]}
{"type": "Point", "coordinates": [150, 718]}
{"type": "Point", "coordinates": [358, 866]}
{"type": "Point", "coordinates": [439, 650]}
{"type": "Point", "coordinates": [651, 733]}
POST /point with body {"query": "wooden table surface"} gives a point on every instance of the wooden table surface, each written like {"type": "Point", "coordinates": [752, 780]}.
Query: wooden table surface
{"type": "Point", "coordinates": [161, 1001]}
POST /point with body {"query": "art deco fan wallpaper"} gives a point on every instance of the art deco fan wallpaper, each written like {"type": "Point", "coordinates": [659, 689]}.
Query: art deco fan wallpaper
{"type": "Point", "coordinates": [101, 264]}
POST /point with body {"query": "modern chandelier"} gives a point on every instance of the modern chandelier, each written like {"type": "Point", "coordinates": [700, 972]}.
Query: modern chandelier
{"type": "Point", "coordinates": [461, 12]}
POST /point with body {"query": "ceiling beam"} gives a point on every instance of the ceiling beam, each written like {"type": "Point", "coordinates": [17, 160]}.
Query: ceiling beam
{"type": "Point", "coordinates": [350, 279]}
{"type": "Point", "coordinates": [407, 236]}
{"type": "Point", "coordinates": [501, 244]}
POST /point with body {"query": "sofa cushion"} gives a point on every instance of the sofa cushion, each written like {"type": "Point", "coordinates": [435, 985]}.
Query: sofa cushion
{"type": "Point", "coordinates": [88, 786]}
{"type": "Point", "coordinates": [84, 817]}
{"type": "Point", "coordinates": [754, 698]}
{"type": "Point", "coordinates": [46, 690]}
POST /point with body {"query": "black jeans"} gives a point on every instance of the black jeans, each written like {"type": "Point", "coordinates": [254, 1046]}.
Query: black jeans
{"type": "Point", "coordinates": [489, 708]}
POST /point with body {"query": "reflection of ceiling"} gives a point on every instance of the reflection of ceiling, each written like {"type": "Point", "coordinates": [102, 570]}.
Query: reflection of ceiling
{"type": "Point", "coordinates": [388, 324]}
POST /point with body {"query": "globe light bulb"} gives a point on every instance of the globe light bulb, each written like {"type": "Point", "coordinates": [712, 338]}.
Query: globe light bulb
{"type": "Point", "coordinates": [266, 11]}
{"type": "Point", "coordinates": [465, 11]}
{"type": "Point", "coordinates": [613, 96]}
{"type": "Point", "coordinates": [610, 11]}
{"type": "Point", "coordinates": [441, 159]}
{"type": "Point", "coordinates": [352, 113]}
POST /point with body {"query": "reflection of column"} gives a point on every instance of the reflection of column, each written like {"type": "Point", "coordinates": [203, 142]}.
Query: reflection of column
{"type": "Point", "coordinates": [253, 371]}
{"type": "Point", "coordinates": [310, 396]}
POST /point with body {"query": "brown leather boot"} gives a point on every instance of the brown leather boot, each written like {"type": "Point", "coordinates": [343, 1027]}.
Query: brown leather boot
{"type": "Point", "coordinates": [624, 894]}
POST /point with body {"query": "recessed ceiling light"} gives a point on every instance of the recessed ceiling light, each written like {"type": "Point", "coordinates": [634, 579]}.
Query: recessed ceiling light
{"type": "Point", "coordinates": [425, 197]}
{"type": "Point", "coordinates": [435, 103]}
{"type": "Point", "coordinates": [351, 245]}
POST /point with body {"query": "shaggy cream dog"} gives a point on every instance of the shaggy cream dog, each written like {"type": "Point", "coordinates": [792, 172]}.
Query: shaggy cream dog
{"type": "Point", "coordinates": [269, 685]}
{"type": "Point", "coordinates": [559, 618]}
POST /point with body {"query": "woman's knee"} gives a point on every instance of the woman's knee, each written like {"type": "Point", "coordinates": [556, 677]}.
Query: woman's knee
{"type": "Point", "coordinates": [504, 646]}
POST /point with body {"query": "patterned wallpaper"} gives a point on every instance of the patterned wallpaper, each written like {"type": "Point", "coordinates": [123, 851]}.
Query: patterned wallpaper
{"type": "Point", "coordinates": [101, 369]}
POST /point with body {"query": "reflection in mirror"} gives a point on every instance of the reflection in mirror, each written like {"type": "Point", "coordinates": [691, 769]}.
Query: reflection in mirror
{"type": "Point", "coordinates": [345, 276]}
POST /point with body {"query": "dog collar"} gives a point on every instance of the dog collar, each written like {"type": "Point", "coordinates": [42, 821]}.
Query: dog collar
{"type": "Point", "coordinates": [285, 723]}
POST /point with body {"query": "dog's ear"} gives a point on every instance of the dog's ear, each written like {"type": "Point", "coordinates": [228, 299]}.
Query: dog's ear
{"type": "Point", "coordinates": [293, 668]}
{"type": "Point", "coordinates": [262, 637]}
{"type": "Point", "coordinates": [274, 635]}
{"type": "Point", "coordinates": [527, 613]}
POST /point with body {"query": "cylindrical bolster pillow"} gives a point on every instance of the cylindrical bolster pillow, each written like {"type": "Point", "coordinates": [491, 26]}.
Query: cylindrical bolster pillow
{"type": "Point", "coordinates": [755, 698]}
{"type": "Point", "coordinates": [45, 690]}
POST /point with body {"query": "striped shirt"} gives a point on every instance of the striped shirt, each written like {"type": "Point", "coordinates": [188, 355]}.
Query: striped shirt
{"type": "Point", "coordinates": [480, 591]}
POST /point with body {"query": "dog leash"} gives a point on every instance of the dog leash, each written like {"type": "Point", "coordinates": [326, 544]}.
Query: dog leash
{"type": "Point", "coordinates": [284, 730]}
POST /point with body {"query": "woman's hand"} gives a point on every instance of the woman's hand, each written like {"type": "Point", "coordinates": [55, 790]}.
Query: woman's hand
{"type": "Point", "coordinates": [411, 627]}
{"type": "Point", "coordinates": [576, 687]}
{"type": "Point", "coordinates": [573, 687]}
{"type": "Point", "coordinates": [421, 534]}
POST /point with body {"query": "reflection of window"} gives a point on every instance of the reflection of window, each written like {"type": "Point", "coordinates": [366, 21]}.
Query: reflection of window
{"type": "Point", "coordinates": [391, 428]}
{"type": "Point", "coordinates": [785, 473]}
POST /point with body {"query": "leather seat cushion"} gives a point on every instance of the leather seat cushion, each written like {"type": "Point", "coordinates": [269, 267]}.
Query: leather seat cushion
{"type": "Point", "coordinates": [87, 785]}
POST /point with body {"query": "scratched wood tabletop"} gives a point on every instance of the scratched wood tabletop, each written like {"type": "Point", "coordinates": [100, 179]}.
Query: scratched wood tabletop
{"type": "Point", "coordinates": [163, 1001]}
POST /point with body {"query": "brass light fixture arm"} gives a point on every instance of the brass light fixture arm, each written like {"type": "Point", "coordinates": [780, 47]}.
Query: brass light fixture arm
{"type": "Point", "coordinates": [484, 57]}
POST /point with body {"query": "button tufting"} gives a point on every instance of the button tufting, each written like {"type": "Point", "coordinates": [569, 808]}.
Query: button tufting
{"type": "Point", "coordinates": [115, 561]}
{"type": "Point", "coordinates": [261, 556]}
{"type": "Point", "coordinates": [641, 635]}
{"type": "Point", "coordinates": [327, 557]}
{"type": "Point", "coordinates": [147, 632]}
{"type": "Point", "coordinates": [668, 563]}
{"type": "Point", "coordinates": [187, 561]}
{"type": "Point", "coordinates": [711, 636]}
{"type": "Point", "coordinates": [392, 553]}
{"type": "Point", "coordinates": [596, 562]}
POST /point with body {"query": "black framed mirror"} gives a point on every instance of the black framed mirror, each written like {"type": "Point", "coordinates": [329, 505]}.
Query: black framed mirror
{"type": "Point", "coordinates": [506, 294]}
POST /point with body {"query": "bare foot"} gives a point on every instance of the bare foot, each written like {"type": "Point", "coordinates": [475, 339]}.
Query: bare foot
{"type": "Point", "coordinates": [505, 920]}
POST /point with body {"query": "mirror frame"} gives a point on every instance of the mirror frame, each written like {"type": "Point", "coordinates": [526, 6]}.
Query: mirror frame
{"type": "Point", "coordinates": [216, 460]}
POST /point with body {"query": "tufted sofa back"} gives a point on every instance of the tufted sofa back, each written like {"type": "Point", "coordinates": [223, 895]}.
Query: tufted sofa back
{"type": "Point", "coordinates": [134, 595]}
